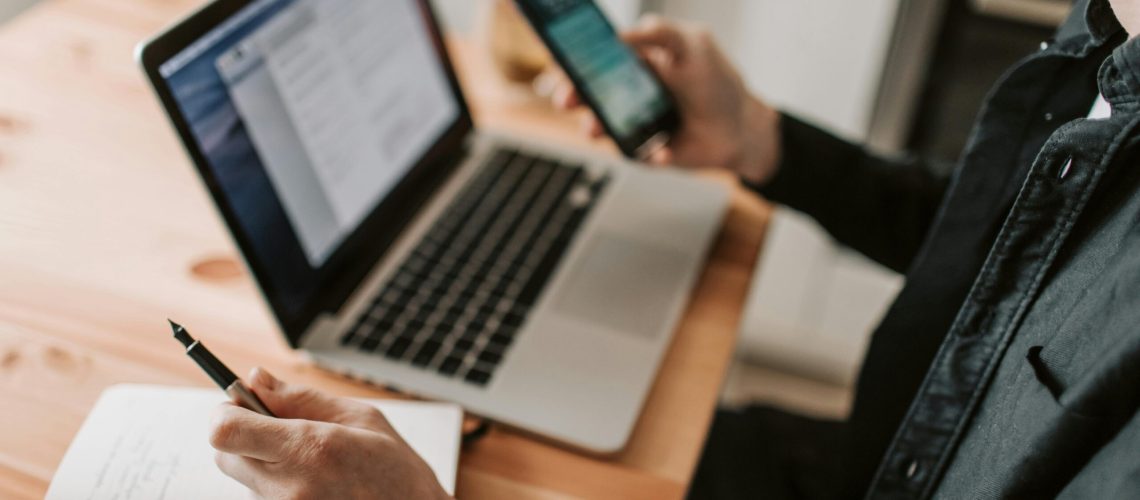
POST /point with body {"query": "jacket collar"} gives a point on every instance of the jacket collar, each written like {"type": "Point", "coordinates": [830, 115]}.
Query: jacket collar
{"type": "Point", "coordinates": [1090, 26]}
{"type": "Point", "coordinates": [1119, 77]}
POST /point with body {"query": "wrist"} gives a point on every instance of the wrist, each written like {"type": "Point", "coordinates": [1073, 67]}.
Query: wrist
{"type": "Point", "coordinates": [759, 150]}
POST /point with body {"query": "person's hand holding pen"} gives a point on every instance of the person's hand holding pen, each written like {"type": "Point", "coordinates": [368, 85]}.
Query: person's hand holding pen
{"type": "Point", "coordinates": [320, 446]}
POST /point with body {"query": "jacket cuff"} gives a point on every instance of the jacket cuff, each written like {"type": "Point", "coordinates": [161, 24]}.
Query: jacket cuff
{"type": "Point", "coordinates": [808, 156]}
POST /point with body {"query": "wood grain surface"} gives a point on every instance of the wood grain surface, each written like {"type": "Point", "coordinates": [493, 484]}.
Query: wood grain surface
{"type": "Point", "coordinates": [105, 231]}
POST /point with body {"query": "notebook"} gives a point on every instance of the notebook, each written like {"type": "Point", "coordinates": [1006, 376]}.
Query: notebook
{"type": "Point", "coordinates": [150, 442]}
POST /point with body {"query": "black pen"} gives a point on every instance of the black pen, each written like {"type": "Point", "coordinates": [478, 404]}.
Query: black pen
{"type": "Point", "coordinates": [219, 372]}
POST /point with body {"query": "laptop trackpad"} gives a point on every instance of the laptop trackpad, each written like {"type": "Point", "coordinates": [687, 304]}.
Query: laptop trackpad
{"type": "Point", "coordinates": [622, 284]}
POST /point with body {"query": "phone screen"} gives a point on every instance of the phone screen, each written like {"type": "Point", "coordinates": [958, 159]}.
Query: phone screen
{"type": "Point", "coordinates": [625, 94]}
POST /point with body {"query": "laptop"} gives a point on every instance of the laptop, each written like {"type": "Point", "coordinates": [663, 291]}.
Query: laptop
{"type": "Point", "coordinates": [397, 244]}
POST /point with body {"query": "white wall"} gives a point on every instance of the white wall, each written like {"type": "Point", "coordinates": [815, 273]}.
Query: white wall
{"type": "Point", "coordinates": [813, 305]}
{"type": "Point", "coordinates": [821, 59]}
{"type": "Point", "coordinates": [622, 12]}
{"type": "Point", "coordinates": [463, 15]}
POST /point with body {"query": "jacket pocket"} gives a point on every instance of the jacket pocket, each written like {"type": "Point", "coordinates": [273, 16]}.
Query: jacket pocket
{"type": "Point", "coordinates": [1053, 444]}
{"type": "Point", "coordinates": [1105, 387]}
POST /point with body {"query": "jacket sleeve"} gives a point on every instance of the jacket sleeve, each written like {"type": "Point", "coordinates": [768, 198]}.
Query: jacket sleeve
{"type": "Point", "coordinates": [881, 207]}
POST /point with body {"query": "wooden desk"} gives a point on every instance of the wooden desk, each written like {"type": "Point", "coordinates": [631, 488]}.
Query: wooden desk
{"type": "Point", "coordinates": [104, 231]}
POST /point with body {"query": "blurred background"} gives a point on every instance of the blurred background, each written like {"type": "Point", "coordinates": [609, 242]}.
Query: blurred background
{"type": "Point", "coordinates": [899, 75]}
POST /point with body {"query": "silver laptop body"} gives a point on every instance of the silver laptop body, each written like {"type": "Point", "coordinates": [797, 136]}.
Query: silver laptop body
{"type": "Point", "coordinates": [586, 357]}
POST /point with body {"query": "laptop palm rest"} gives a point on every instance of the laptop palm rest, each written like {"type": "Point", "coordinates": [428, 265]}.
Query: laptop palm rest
{"type": "Point", "coordinates": [623, 285]}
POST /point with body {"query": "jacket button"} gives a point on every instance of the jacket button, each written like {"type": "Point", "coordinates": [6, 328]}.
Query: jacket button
{"type": "Point", "coordinates": [912, 469]}
{"type": "Point", "coordinates": [1066, 169]}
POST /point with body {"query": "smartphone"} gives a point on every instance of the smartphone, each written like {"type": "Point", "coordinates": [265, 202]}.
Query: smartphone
{"type": "Point", "coordinates": [632, 103]}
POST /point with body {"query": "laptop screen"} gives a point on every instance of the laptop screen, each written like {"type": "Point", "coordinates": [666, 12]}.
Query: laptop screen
{"type": "Point", "coordinates": [309, 115]}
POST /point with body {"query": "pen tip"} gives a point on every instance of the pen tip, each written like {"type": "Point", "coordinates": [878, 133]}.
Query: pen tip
{"type": "Point", "coordinates": [180, 333]}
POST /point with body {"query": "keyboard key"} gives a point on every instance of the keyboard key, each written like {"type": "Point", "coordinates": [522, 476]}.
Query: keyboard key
{"type": "Point", "coordinates": [416, 324]}
{"type": "Point", "coordinates": [439, 335]}
{"type": "Point", "coordinates": [502, 339]}
{"type": "Point", "coordinates": [478, 324]}
{"type": "Point", "coordinates": [398, 348]}
{"type": "Point", "coordinates": [427, 353]}
{"type": "Point", "coordinates": [450, 365]}
{"type": "Point", "coordinates": [385, 325]}
{"type": "Point", "coordinates": [370, 344]}
{"type": "Point", "coordinates": [404, 298]}
{"type": "Point", "coordinates": [348, 339]}
{"type": "Point", "coordinates": [463, 345]}
{"type": "Point", "coordinates": [478, 377]}
{"type": "Point", "coordinates": [453, 314]}
{"type": "Point", "coordinates": [491, 357]}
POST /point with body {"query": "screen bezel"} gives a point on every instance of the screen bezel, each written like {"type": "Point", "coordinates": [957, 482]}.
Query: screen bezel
{"type": "Point", "coordinates": [632, 146]}
{"type": "Point", "coordinates": [355, 256]}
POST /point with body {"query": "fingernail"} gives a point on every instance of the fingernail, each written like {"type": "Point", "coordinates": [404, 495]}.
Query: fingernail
{"type": "Point", "coordinates": [263, 378]}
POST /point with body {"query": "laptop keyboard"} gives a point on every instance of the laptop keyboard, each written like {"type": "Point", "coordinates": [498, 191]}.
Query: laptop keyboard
{"type": "Point", "coordinates": [456, 303]}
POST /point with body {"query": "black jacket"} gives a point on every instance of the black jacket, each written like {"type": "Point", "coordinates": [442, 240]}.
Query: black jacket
{"type": "Point", "coordinates": [1009, 365]}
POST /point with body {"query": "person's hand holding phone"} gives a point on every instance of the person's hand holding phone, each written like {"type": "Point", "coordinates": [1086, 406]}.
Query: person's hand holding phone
{"type": "Point", "coordinates": [722, 123]}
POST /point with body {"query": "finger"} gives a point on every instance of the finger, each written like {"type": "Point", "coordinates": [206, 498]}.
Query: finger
{"type": "Point", "coordinates": [663, 156]}
{"type": "Point", "coordinates": [247, 471]}
{"type": "Point", "coordinates": [566, 96]}
{"type": "Point", "coordinates": [261, 378]}
{"type": "Point", "coordinates": [591, 126]}
{"type": "Point", "coordinates": [655, 31]}
{"type": "Point", "coordinates": [660, 60]}
{"type": "Point", "coordinates": [242, 432]}
{"type": "Point", "coordinates": [596, 129]}
{"type": "Point", "coordinates": [290, 401]}
{"type": "Point", "coordinates": [547, 82]}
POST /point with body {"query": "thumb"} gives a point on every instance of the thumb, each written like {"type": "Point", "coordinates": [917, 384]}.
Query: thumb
{"type": "Point", "coordinates": [662, 46]}
{"type": "Point", "coordinates": [654, 32]}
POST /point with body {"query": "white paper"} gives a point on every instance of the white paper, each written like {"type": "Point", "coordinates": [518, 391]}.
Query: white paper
{"type": "Point", "coordinates": [150, 442]}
